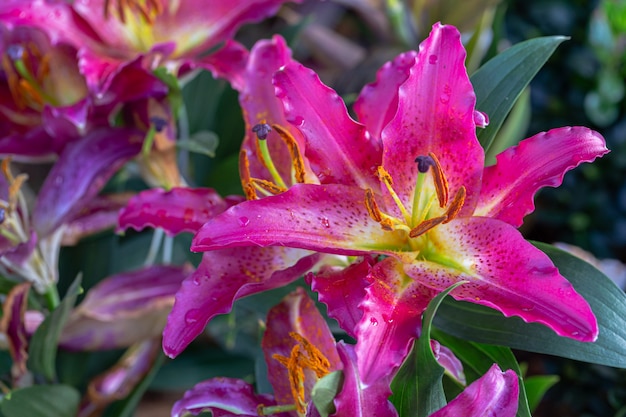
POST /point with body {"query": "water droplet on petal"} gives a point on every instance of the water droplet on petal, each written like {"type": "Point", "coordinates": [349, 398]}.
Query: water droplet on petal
{"type": "Point", "coordinates": [432, 59]}
{"type": "Point", "coordinates": [243, 221]}
{"type": "Point", "coordinates": [373, 321]}
{"type": "Point", "coordinates": [325, 222]}
{"type": "Point", "coordinates": [192, 316]}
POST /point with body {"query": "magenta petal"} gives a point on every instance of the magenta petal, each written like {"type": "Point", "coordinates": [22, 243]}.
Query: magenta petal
{"type": "Point", "coordinates": [296, 313]}
{"type": "Point", "coordinates": [223, 397]}
{"type": "Point", "coordinates": [507, 273]}
{"type": "Point", "coordinates": [342, 290]}
{"type": "Point", "coordinates": [357, 399]}
{"type": "Point", "coordinates": [228, 62]}
{"type": "Point", "coordinates": [392, 317]}
{"type": "Point", "coordinates": [378, 102]}
{"type": "Point", "coordinates": [80, 173]}
{"type": "Point", "coordinates": [495, 394]}
{"type": "Point", "coordinates": [13, 326]}
{"type": "Point", "coordinates": [540, 161]}
{"type": "Point", "coordinates": [338, 148]}
{"type": "Point", "coordinates": [177, 210]}
{"type": "Point", "coordinates": [325, 218]}
{"type": "Point", "coordinates": [436, 114]}
{"type": "Point", "coordinates": [221, 278]}
{"type": "Point", "coordinates": [448, 360]}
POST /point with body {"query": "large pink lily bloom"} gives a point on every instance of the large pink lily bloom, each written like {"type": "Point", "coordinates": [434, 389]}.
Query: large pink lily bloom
{"type": "Point", "coordinates": [409, 182]}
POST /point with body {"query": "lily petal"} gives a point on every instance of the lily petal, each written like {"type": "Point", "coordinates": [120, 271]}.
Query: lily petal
{"type": "Point", "coordinates": [341, 290]}
{"type": "Point", "coordinates": [180, 209]}
{"type": "Point", "coordinates": [436, 114]}
{"type": "Point", "coordinates": [296, 313]}
{"type": "Point", "coordinates": [540, 161]}
{"type": "Point", "coordinates": [223, 397]}
{"type": "Point", "coordinates": [13, 326]}
{"type": "Point", "coordinates": [383, 94]}
{"type": "Point", "coordinates": [326, 218]}
{"type": "Point", "coordinates": [80, 173]}
{"type": "Point", "coordinates": [221, 278]}
{"type": "Point", "coordinates": [339, 149]}
{"type": "Point", "coordinates": [506, 273]}
{"type": "Point", "coordinates": [495, 394]}
{"type": "Point", "coordinates": [357, 399]}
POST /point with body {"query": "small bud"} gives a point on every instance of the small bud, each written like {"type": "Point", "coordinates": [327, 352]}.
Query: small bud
{"type": "Point", "coordinates": [262, 130]}
{"type": "Point", "coordinates": [424, 162]}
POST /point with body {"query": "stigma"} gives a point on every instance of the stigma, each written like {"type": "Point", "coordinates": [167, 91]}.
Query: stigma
{"type": "Point", "coordinates": [421, 217]}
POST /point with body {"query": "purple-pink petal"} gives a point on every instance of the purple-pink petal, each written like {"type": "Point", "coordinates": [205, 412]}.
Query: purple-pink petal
{"type": "Point", "coordinates": [223, 397]}
{"type": "Point", "coordinates": [342, 290]}
{"type": "Point", "coordinates": [448, 360]}
{"type": "Point", "coordinates": [80, 173]}
{"type": "Point", "coordinates": [180, 209]}
{"type": "Point", "coordinates": [338, 148]}
{"type": "Point", "coordinates": [378, 101]}
{"type": "Point", "coordinates": [326, 218]}
{"type": "Point", "coordinates": [505, 272]}
{"type": "Point", "coordinates": [495, 394]}
{"type": "Point", "coordinates": [358, 399]}
{"type": "Point", "coordinates": [296, 313]}
{"type": "Point", "coordinates": [540, 161]}
{"type": "Point", "coordinates": [13, 326]}
{"type": "Point", "coordinates": [224, 276]}
{"type": "Point", "coordinates": [436, 114]}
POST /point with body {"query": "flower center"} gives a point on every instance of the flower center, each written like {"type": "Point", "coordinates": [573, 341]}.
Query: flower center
{"type": "Point", "coordinates": [148, 10]}
{"type": "Point", "coordinates": [11, 224]}
{"type": "Point", "coordinates": [26, 69]}
{"type": "Point", "coordinates": [277, 184]}
{"type": "Point", "coordinates": [419, 220]}
{"type": "Point", "coordinates": [304, 355]}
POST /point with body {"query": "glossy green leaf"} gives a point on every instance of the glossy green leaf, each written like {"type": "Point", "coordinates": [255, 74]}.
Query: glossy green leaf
{"type": "Point", "coordinates": [501, 80]}
{"type": "Point", "coordinates": [608, 302]}
{"type": "Point", "coordinates": [417, 388]}
{"type": "Point", "coordinates": [536, 386]}
{"type": "Point", "coordinates": [42, 350]}
{"type": "Point", "coordinates": [41, 401]}
{"type": "Point", "coordinates": [324, 392]}
{"type": "Point", "coordinates": [477, 358]}
{"type": "Point", "coordinates": [203, 142]}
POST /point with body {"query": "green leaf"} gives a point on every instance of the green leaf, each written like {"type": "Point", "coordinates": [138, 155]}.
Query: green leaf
{"type": "Point", "coordinates": [608, 302]}
{"type": "Point", "coordinates": [42, 350]}
{"type": "Point", "coordinates": [202, 142]}
{"type": "Point", "coordinates": [536, 386]}
{"type": "Point", "coordinates": [324, 392]}
{"type": "Point", "coordinates": [501, 80]}
{"type": "Point", "coordinates": [477, 358]}
{"type": "Point", "coordinates": [417, 388]}
{"type": "Point", "coordinates": [41, 401]}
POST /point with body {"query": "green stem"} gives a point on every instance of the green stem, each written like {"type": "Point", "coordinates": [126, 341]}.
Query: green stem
{"type": "Point", "coordinates": [52, 297]}
{"type": "Point", "coordinates": [267, 159]}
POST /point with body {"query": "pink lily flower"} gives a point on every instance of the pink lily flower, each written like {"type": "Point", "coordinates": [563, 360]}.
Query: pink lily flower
{"type": "Point", "coordinates": [174, 34]}
{"type": "Point", "coordinates": [409, 182]}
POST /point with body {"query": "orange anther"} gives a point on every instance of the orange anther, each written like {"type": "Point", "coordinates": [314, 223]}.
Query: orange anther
{"type": "Point", "coordinates": [246, 180]}
{"type": "Point", "coordinates": [268, 186]}
{"type": "Point", "coordinates": [426, 225]}
{"type": "Point", "coordinates": [456, 205]}
{"type": "Point", "coordinates": [372, 206]}
{"type": "Point", "coordinates": [441, 183]}
{"type": "Point", "coordinates": [294, 151]}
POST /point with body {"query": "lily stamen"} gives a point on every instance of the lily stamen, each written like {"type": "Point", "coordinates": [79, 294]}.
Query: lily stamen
{"type": "Point", "coordinates": [148, 9]}
{"type": "Point", "coordinates": [294, 152]}
{"type": "Point", "coordinates": [388, 181]}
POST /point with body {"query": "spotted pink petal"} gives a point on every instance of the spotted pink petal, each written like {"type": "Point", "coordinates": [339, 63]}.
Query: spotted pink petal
{"type": "Point", "coordinates": [222, 397]}
{"type": "Point", "coordinates": [338, 148]}
{"type": "Point", "coordinates": [357, 399]}
{"type": "Point", "coordinates": [378, 102]}
{"type": "Point", "coordinates": [221, 278]}
{"type": "Point", "coordinates": [505, 272]}
{"type": "Point", "coordinates": [342, 290]}
{"type": "Point", "coordinates": [540, 161]}
{"type": "Point", "coordinates": [495, 394]}
{"type": "Point", "coordinates": [392, 317]}
{"type": "Point", "coordinates": [178, 210]}
{"type": "Point", "coordinates": [80, 173]}
{"type": "Point", "coordinates": [325, 218]}
{"type": "Point", "coordinates": [296, 313]}
{"type": "Point", "coordinates": [436, 114]}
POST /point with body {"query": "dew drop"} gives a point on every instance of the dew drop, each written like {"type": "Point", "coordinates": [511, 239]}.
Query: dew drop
{"type": "Point", "coordinates": [432, 59]}
{"type": "Point", "coordinates": [200, 279]}
{"type": "Point", "coordinates": [325, 222]}
{"type": "Point", "coordinates": [373, 321]}
{"type": "Point", "coordinates": [192, 316]}
{"type": "Point", "coordinates": [243, 221]}
{"type": "Point", "coordinates": [445, 98]}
